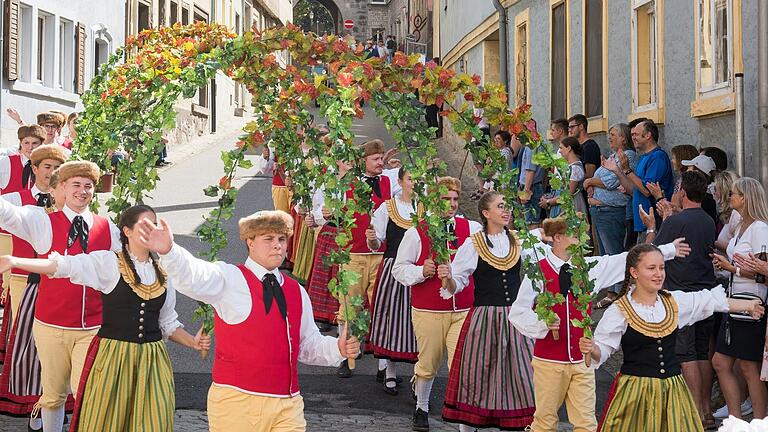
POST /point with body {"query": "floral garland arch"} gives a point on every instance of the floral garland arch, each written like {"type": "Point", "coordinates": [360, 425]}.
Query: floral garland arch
{"type": "Point", "coordinates": [131, 100]}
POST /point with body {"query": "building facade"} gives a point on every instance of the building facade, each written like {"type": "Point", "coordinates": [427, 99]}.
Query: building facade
{"type": "Point", "coordinates": [51, 51]}
{"type": "Point", "coordinates": [673, 61]}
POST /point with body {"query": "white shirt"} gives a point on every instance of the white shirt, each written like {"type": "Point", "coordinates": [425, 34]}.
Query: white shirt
{"type": "Point", "coordinates": [265, 166]}
{"type": "Point", "coordinates": [5, 169]}
{"type": "Point", "coordinates": [15, 197]}
{"type": "Point", "coordinates": [380, 218]}
{"type": "Point", "coordinates": [318, 199]}
{"type": "Point", "coordinates": [100, 271]}
{"type": "Point", "coordinates": [405, 269]}
{"type": "Point", "coordinates": [753, 239]}
{"type": "Point", "coordinates": [609, 270]}
{"type": "Point", "coordinates": [34, 226]}
{"type": "Point", "coordinates": [691, 308]}
{"type": "Point", "coordinates": [465, 261]}
{"type": "Point", "coordinates": [223, 286]}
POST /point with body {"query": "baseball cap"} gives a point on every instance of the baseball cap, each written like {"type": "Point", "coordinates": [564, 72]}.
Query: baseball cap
{"type": "Point", "coordinates": [704, 163]}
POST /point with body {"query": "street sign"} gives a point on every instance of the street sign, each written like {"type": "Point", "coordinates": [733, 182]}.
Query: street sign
{"type": "Point", "coordinates": [349, 24]}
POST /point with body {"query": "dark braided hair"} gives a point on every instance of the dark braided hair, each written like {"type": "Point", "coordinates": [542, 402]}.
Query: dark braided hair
{"type": "Point", "coordinates": [128, 219]}
{"type": "Point", "coordinates": [633, 257]}
{"type": "Point", "coordinates": [485, 204]}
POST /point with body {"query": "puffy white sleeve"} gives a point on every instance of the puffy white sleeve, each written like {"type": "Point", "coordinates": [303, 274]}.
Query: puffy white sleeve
{"type": "Point", "coordinates": [315, 348]}
{"type": "Point", "coordinates": [522, 315]}
{"type": "Point", "coordinates": [693, 307]}
{"type": "Point", "coordinates": [29, 223]}
{"type": "Point", "coordinates": [97, 269]}
{"type": "Point", "coordinates": [391, 173]}
{"type": "Point", "coordinates": [318, 201]}
{"type": "Point", "coordinates": [169, 319]}
{"type": "Point", "coordinates": [607, 336]}
{"type": "Point", "coordinates": [379, 221]}
{"type": "Point", "coordinates": [611, 269]}
{"type": "Point", "coordinates": [5, 171]}
{"type": "Point", "coordinates": [464, 265]}
{"type": "Point", "coordinates": [265, 166]}
{"type": "Point", "coordinates": [474, 227]}
{"type": "Point", "coordinates": [404, 270]}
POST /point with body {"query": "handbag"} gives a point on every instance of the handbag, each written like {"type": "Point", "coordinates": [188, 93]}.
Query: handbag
{"type": "Point", "coordinates": [739, 316]}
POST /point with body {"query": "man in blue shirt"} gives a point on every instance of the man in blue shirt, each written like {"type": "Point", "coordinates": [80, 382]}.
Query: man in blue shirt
{"type": "Point", "coordinates": [653, 166]}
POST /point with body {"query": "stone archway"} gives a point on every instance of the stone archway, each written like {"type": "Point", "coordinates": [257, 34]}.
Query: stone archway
{"type": "Point", "coordinates": [356, 10]}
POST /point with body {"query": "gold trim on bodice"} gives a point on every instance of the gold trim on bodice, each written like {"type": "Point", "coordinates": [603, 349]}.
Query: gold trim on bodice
{"type": "Point", "coordinates": [654, 330]}
{"type": "Point", "coordinates": [399, 220]}
{"type": "Point", "coordinates": [146, 292]}
{"type": "Point", "coordinates": [503, 264]}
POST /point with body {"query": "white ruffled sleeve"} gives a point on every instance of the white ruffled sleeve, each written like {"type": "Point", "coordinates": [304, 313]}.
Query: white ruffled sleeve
{"type": "Point", "coordinates": [693, 307]}
{"type": "Point", "coordinates": [607, 336]}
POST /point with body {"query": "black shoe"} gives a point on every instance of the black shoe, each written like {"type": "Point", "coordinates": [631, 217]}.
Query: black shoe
{"type": "Point", "coordinates": [420, 420]}
{"type": "Point", "coordinates": [344, 371]}
{"type": "Point", "coordinates": [392, 391]}
{"type": "Point", "coordinates": [324, 327]}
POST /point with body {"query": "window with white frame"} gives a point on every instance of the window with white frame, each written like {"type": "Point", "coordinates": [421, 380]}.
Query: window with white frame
{"type": "Point", "coordinates": [379, 2]}
{"type": "Point", "coordinates": [25, 51]}
{"type": "Point", "coordinates": [66, 55]}
{"type": "Point", "coordinates": [644, 55]}
{"type": "Point", "coordinates": [46, 42]}
{"type": "Point", "coordinates": [713, 34]}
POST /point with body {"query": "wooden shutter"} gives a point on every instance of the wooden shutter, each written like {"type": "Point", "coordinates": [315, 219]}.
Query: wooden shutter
{"type": "Point", "coordinates": [80, 58]}
{"type": "Point", "coordinates": [11, 36]}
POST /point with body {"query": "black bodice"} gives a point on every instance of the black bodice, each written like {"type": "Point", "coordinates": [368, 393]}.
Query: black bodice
{"type": "Point", "coordinates": [494, 287]}
{"type": "Point", "coordinates": [395, 235]}
{"type": "Point", "coordinates": [127, 317]}
{"type": "Point", "coordinates": [647, 356]}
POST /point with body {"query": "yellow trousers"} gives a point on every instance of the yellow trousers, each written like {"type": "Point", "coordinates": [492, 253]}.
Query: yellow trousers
{"type": "Point", "coordinates": [230, 410]}
{"type": "Point", "coordinates": [62, 356]}
{"type": "Point", "coordinates": [367, 266]}
{"type": "Point", "coordinates": [554, 383]}
{"type": "Point", "coordinates": [281, 198]}
{"type": "Point", "coordinates": [17, 285]}
{"type": "Point", "coordinates": [435, 333]}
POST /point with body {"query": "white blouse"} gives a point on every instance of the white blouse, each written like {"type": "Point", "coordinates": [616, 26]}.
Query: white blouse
{"type": "Point", "coordinates": [691, 306]}
{"type": "Point", "coordinates": [380, 218]}
{"type": "Point", "coordinates": [223, 286]}
{"type": "Point", "coordinates": [609, 270]}
{"type": "Point", "coordinates": [753, 239]}
{"type": "Point", "coordinates": [100, 270]}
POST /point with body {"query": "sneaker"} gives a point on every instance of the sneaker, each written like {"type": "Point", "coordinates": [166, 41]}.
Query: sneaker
{"type": "Point", "coordinates": [420, 420]}
{"type": "Point", "coordinates": [722, 412]}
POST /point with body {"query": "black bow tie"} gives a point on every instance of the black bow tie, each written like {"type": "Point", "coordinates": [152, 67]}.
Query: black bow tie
{"type": "Point", "coordinates": [273, 290]}
{"type": "Point", "coordinates": [373, 182]}
{"type": "Point", "coordinates": [450, 227]}
{"type": "Point", "coordinates": [44, 200]}
{"type": "Point", "coordinates": [564, 279]}
{"type": "Point", "coordinates": [27, 175]}
{"type": "Point", "coordinates": [78, 231]}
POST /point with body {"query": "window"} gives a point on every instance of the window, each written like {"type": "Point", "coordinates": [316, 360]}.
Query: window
{"type": "Point", "coordinates": [66, 55]}
{"type": "Point", "coordinates": [714, 44]}
{"type": "Point", "coordinates": [25, 51]}
{"type": "Point", "coordinates": [144, 17]}
{"type": "Point", "coordinates": [379, 2]}
{"type": "Point", "coordinates": [559, 62]}
{"type": "Point", "coordinates": [45, 48]}
{"type": "Point", "coordinates": [185, 16]}
{"type": "Point", "coordinates": [161, 13]}
{"type": "Point", "coordinates": [646, 56]}
{"type": "Point", "coordinates": [100, 54]}
{"type": "Point", "coordinates": [174, 13]}
{"type": "Point", "coordinates": [521, 58]}
{"type": "Point", "coordinates": [202, 93]}
{"type": "Point", "coordinates": [593, 55]}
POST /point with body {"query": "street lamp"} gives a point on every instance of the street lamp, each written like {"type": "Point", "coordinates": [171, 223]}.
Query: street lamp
{"type": "Point", "coordinates": [311, 19]}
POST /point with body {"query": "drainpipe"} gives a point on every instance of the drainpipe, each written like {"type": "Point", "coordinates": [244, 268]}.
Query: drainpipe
{"type": "Point", "coordinates": [502, 43]}
{"type": "Point", "coordinates": [2, 58]}
{"type": "Point", "coordinates": [739, 89]}
{"type": "Point", "coordinates": [762, 84]}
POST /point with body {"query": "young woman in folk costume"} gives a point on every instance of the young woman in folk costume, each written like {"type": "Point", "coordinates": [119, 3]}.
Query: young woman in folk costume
{"type": "Point", "coordinates": [650, 392]}
{"type": "Point", "coordinates": [501, 395]}
{"type": "Point", "coordinates": [392, 338]}
{"type": "Point", "coordinates": [127, 382]}
{"type": "Point", "coordinates": [20, 386]}
{"type": "Point", "coordinates": [559, 371]}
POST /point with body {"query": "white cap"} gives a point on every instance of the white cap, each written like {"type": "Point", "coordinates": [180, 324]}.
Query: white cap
{"type": "Point", "coordinates": [703, 163]}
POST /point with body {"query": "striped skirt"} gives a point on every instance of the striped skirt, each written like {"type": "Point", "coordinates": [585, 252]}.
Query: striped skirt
{"type": "Point", "coordinates": [650, 404]}
{"type": "Point", "coordinates": [324, 305]}
{"type": "Point", "coordinates": [125, 387]}
{"type": "Point", "coordinates": [20, 385]}
{"type": "Point", "coordinates": [491, 378]}
{"type": "Point", "coordinates": [303, 248]}
{"type": "Point", "coordinates": [392, 334]}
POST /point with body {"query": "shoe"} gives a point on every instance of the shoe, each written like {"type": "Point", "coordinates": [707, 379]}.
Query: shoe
{"type": "Point", "coordinates": [38, 422]}
{"type": "Point", "coordinates": [722, 412]}
{"type": "Point", "coordinates": [420, 420]}
{"type": "Point", "coordinates": [344, 371]}
{"type": "Point", "coordinates": [324, 327]}
{"type": "Point", "coordinates": [392, 391]}
{"type": "Point", "coordinates": [382, 374]}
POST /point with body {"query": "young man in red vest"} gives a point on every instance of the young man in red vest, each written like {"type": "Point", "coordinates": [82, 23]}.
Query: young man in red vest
{"type": "Point", "coordinates": [364, 261]}
{"type": "Point", "coordinates": [263, 322]}
{"type": "Point", "coordinates": [559, 372]}
{"type": "Point", "coordinates": [16, 169]}
{"type": "Point", "coordinates": [67, 316]}
{"type": "Point", "coordinates": [436, 321]}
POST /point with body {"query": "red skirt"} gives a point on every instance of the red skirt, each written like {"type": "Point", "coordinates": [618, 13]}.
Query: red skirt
{"type": "Point", "coordinates": [4, 326]}
{"type": "Point", "coordinates": [324, 305]}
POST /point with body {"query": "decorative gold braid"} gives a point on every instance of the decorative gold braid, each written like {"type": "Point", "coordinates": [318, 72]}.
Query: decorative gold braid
{"type": "Point", "coordinates": [146, 292]}
{"type": "Point", "coordinates": [503, 264]}
{"type": "Point", "coordinates": [394, 215]}
{"type": "Point", "coordinates": [657, 330]}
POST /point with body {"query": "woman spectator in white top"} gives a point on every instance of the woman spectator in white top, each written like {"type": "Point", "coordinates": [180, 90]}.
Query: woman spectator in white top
{"type": "Point", "coordinates": [740, 338]}
{"type": "Point", "coordinates": [570, 149]}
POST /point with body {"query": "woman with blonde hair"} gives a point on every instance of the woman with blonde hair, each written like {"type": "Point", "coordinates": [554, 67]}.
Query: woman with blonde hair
{"type": "Point", "coordinates": [740, 338]}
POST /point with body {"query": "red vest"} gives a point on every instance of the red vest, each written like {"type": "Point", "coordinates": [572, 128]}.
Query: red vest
{"type": "Point", "coordinates": [277, 178]}
{"type": "Point", "coordinates": [566, 348]}
{"type": "Point", "coordinates": [21, 248]}
{"type": "Point", "coordinates": [14, 181]}
{"type": "Point", "coordinates": [363, 221]}
{"type": "Point", "coordinates": [60, 302]}
{"type": "Point", "coordinates": [259, 355]}
{"type": "Point", "coordinates": [426, 295]}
